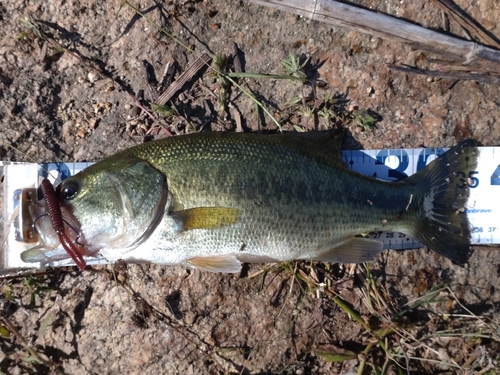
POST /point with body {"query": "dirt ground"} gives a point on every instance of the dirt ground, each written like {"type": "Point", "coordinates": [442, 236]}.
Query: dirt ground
{"type": "Point", "coordinates": [417, 313]}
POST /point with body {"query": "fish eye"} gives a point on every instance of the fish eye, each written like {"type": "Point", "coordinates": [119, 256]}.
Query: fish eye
{"type": "Point", "coordinates": [68, 189]}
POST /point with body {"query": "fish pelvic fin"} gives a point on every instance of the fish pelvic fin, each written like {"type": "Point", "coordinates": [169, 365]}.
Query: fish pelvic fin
{"type": "Point", "coordinates": [218, 263]}
{"type": "Point", "coordinates": [446, 183]}
{"type": "Point", "coordinates": [206, 217]}
{"type": "Point", "coordinates": [348, 250]}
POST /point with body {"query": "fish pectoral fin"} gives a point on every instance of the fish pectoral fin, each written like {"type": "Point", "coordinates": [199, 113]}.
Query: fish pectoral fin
{"type": "Point", "coordinates": [206, 217]}
{"type": "Point", "coordinates": [350, 250]}
{"type": "Point", "coordinates": [218, 263]}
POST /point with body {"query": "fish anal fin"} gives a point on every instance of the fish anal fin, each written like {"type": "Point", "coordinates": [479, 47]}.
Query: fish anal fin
{"type": "Point", "coordinates": [206, 217]}
{"type": "Point", "coordinates": [217, 263]}
{"type": "Point", "coordinates": [350, 250]}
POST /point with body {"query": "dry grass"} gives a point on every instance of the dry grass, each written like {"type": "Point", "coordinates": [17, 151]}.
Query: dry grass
{"type": "Point", "coordinates": [397, 341]}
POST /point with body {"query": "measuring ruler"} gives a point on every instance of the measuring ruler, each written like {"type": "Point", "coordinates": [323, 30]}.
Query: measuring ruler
{"type": "Point", "coordinates": [483, 208]}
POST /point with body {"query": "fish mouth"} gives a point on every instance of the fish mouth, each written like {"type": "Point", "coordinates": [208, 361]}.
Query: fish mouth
{"type": "Point", "coordinates": [35, 215]}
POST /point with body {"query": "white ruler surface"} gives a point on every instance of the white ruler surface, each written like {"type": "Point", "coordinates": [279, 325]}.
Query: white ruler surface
{"type": "Point", "coordinates": [483, 208]}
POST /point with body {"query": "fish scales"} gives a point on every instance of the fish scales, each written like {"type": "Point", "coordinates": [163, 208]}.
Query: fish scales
{"type": "Point", "coordinates": [233, 197]}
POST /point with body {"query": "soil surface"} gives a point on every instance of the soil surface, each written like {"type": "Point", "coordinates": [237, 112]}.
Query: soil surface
{"type": "Point", "coordinates": [70, 93]}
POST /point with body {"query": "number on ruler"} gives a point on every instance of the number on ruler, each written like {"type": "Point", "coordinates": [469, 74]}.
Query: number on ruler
{"type": "Point", "coordinates": [495, 177]}
{"type": "Point", "coordinates": [402, 156]}
{"type": "Point", "coordinates": [470, 180]}
{"type": "Point", "coordinates": [424, 158]}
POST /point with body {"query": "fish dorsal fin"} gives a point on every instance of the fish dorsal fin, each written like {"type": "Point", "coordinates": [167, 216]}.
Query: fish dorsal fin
{"type": "Point", "coordinates": [349, 250]}
{"type": "Point", "coordinates": [329, 141]}
{"type": "Point", "coordinates": [217, 263]}
{"type": "Point", "coordinates": [205, 217]}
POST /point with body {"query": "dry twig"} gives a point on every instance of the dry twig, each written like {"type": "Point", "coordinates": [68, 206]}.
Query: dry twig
{"type": "Point", "coordinates": [202, 61]}
{"type": "Point", "coordinates": [387, 27]}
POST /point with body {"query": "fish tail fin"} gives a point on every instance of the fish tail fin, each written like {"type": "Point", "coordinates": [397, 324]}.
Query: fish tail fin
{"type": "Point", "coordinates": [446, 184]}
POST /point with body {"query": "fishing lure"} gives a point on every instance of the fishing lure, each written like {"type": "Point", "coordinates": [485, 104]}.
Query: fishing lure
{"type": "Point", "coordinates": [54, 212]}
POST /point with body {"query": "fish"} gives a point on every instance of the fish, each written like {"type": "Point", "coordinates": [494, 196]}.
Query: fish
{"type": "Point", "coordinates": [216, 200]}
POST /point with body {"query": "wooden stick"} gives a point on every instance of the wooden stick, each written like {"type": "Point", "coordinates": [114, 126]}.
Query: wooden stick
{"type": "Point", "coordinates": [382, 25]}
{"type": "Point", "coordinates": [477, 77]}
{"type": "Point", "coordinates": [200, 62]}
{"type": "Point", "coordinates": [467, 22]}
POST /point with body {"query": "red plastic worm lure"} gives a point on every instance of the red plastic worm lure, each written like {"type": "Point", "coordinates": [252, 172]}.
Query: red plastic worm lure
{"type": "Point", "coordinates": [58, 224]}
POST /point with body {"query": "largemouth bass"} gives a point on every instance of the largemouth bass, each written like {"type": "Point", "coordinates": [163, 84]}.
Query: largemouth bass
{"type": "Point", "coordinates": [215, 200]}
